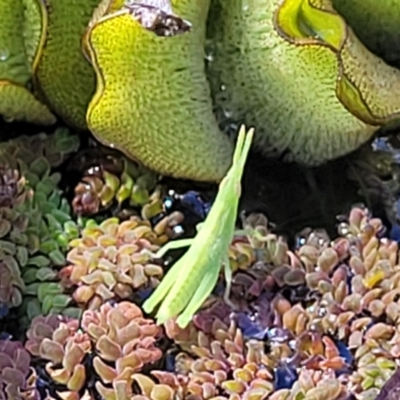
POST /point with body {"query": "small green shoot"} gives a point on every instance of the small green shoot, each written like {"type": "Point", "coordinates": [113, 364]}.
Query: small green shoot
{"type": "Point", "coordinates": [193, 277]}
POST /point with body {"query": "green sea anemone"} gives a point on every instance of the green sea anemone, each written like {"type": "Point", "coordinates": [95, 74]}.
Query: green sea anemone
{"type": "Point", "coordinates": [297, 72]}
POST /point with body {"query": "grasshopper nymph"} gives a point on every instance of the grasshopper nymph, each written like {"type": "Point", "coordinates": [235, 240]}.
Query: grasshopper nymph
{"type": "Point", "coordinates": [193, 277]}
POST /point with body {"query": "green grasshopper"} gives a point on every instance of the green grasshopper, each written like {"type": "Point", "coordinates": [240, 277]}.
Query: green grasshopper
{"type": "Point", "coordinates": [193, 277]}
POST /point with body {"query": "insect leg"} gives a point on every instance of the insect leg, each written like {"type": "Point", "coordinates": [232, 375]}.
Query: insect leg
{"type": "Point", "coordinates": [159, 295]}
{"type": "Point", "coordinates": [228, 282]}
{"type": "Point", "coordinates": [202, 291]}
{"type": "Point", "coordinates": [176, 244]}
{"type": "Point", "coordinates": [240, 232]}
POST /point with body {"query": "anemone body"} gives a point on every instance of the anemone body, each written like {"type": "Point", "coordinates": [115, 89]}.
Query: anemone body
{"type": "Point", "coordinates": [152, 99]}
{"type": "Point", "coordinates": [20, 32]}
{"type": "Point", "coordinates": [295, 71]}
{"type": "Point", "coordinates": [376, 24]}
{"type": "Point", "coordinates": [64, 78]}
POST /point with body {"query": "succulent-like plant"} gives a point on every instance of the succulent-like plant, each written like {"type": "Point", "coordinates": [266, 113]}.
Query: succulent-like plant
{"type": "Point", "coordinates": [354, 281]}
{"type": "Point", "coordinates": [111, 180]}
{"type": "Point", "coordinates": [17, 378]}
{"type": "Point", "coordinates": [43, 327]}
{"type": "Point", "coordinates": [36, 222]}
{"type": "Point", "coordinates": [115, 341]}
{"type": "Point", "coordinates": [11, 184]}
{"type": "Point", "coordinates": [340, 341]}
{"type": "Point", "coordinates": [224, 367]}
{"type": "Point", "coordinates": [227, 368]}
{"type": "Point", "coordinates": [391, 387]}
{"type": "Point", "coordinates": [11, 283]}
{"type": "Point", "coordinates": [124, 341]}
{"type": "Point", "coordinates": [313, 385]}
{"type": "Point", "coordinates": [65, 352]}
{"type": "Point", "coordinates": [113, 259]}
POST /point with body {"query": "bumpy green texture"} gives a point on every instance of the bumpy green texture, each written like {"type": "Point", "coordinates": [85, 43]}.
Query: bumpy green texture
{"type": "Point", "coordinates": [32, 29]}
{"type": "Point", "coordinates": [17, 103]}
{"type": "Point", "coordinates": [63, 75]}
{"type": "Point", "coordinates": [19, 40]}
{"type": "Point", "coordinates": [152, 99]}
{"type": "Point", "coordinates": [14, 64]}
{"type": "Point", "coordinates": [377, 25]}
{"type": "Point", "coordinates": [297, 72]}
